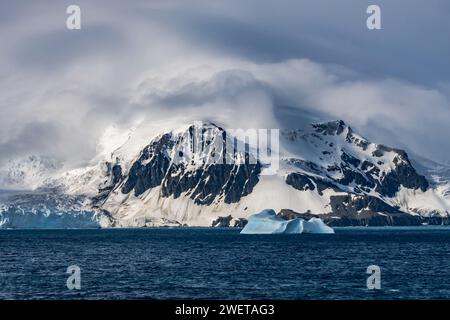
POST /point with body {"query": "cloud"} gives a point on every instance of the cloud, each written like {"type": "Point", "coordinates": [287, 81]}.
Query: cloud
{"type": "Point", "coordinates": [253, 63]}
{"type": "Point", "coordinates": [243, 94]}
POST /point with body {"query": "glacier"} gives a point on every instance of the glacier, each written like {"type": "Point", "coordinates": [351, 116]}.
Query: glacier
{"type": "Point", "coordinates": [18, 218]}
{"type": "Point", "coordinates": [48, 210]}
{"type": "Point", "coordinates": [268, 222]}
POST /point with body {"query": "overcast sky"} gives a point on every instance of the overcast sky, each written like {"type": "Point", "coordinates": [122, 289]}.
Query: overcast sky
{"type": "Point", "coordinates": [242, 62]}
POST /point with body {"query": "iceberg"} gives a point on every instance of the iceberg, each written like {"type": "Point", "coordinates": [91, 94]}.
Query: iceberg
{"type": "Point", "coordinates": [267, 222]}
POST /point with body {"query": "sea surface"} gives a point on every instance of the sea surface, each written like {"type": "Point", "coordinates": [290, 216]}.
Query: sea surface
{"type": "Point", "coordinates": [207, 263]}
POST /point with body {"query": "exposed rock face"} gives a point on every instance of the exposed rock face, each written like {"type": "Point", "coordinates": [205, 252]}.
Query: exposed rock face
{"type": "Point", "coordinates": [355, 210]}
{"type": "Point", "coordinates": [331, 128]}
{"type": "Point", "coordinates": [288, 214]}
{"type": "Point", "coordinates": [222, 222]}
{"type": "Point", "coordinates": [240, 223]}
{"type": "Point", "coordinates": [228, 221]}
{"type": "Point", "coordinates": [151, 167]}
{"type": "Point", "coordinates": [231, 182]}
{"type": "Point", "coordinates": [354, 204]}
{"type": "Point", "coordinates": [202, 182]}
{"type": "Point", "coordinates": [403, 175]}
{"type": "Point", "coordinates": [368, 218]}
{"type": "Point", "coordinates": [303, 182]}
{"type": "Point", "coordinates": [113, 176]}
{"type": "Point", "coordinates": [365, 176]}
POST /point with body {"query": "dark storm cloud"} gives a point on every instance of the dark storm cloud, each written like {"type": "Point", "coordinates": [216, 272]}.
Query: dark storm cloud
{"type": "Point", "coordinates": [59, 48]}
{"type": "Point", "coordinates": [413, 44]}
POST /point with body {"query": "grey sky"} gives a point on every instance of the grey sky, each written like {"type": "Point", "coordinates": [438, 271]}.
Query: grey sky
{"type": "Point", "coordinates": [151, 60]}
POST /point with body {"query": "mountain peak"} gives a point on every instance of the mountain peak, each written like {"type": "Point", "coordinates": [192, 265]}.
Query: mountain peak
{"type": "Point", "coordinates": [331, 128]}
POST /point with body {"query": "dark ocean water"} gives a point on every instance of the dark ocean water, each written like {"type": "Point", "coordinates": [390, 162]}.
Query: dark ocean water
{"type": "Point", "coordinates": [222, 264]}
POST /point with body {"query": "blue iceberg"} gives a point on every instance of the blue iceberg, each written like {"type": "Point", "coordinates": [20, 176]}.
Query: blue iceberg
{"type": "Point", "coordinates": [267, 222]}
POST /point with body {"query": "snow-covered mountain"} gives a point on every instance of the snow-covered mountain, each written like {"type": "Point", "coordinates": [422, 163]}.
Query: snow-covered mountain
{"type": "Point", "coordinates": [203, 175]}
